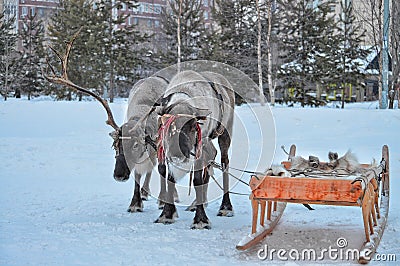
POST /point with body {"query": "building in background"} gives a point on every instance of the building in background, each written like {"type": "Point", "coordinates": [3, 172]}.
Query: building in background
{"type": "Point", "coordinates": [147, 15]}
{"type": "Point", "coordinates": [10, 9]}
{"type": "Point", "coordinates": [20, 9]}
{"type": "Point", "coordinates": [42, 9]}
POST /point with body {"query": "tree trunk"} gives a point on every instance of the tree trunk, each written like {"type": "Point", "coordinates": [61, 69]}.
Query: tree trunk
{"type": "Point", "coordinates": [343, 95]}
{"type": "Point", "coordinates": [260, 81]}
{"type": "Point", "coordinates": [111, 61]}
{"type": "Point", "coordinates": [269, 54]}
{"type": "Point", "coordinates": [179, 36]}
{"type": "Point", "coordinates": [398, 98]}
{"type": "Point", "coordinates": [6, 75]}
{"type": "Point", "coordinates": [318, 91]}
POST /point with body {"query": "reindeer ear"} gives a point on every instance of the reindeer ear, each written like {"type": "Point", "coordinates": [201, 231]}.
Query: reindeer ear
{"type": "Point", "coordinates": [160, 110]}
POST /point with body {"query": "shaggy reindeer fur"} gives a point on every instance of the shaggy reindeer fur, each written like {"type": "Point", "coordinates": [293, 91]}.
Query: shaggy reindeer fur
{"type": "Point", "coordinates": [196, 101]}
{"type": "Point", "coordinates": [136, 152]}
{"type": "Point", "coordinates": [345, 165]}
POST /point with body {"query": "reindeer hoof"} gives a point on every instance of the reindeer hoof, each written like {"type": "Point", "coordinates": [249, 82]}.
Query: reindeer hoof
{"type": "Point", "coordinates": [168, 214]}
{"type": "Point", "coordinates": [136, 206]}
{"type": "Point", "coordinates": [201, 225]}
{"type": "Point", "coordinates": [225, 213]}
{"type": "Point", "coordinates": [164, 220]}
{"type": "Point", "coordinates": [135, 209]}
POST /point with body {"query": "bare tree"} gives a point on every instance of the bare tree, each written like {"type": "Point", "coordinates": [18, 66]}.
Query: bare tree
{"type": "Point", "coordinates": [260, 76]}
{"type": "Point", "coordinates": [395, 53]}
{"type": "Point", "coordinates": [371, 15]}
{"type": "Point", "coordinates": [269, 53]}
{"type": "Point", "coordinates": [179, 35]}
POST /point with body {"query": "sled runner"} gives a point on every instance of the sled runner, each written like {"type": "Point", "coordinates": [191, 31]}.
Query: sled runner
{"type": "Point", "coordinates": [368, 189]}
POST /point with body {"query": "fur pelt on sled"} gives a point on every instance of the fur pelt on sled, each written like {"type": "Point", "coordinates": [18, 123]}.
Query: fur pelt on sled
{"type": "Point", "coordinates": [345, 165]}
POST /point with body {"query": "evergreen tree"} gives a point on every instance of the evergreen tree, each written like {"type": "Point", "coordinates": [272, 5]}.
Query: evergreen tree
{"type": "Point", "coordinates": [121, 43]}
{"type": "Point", "coordinates": [32, 38]}
{"type": "Point", "coordinates": [9, 64]}
{"type": "Point", "coordinates": [105, 54]}
{"type": "Point", "coordinates": [307, 42]}
{"type": "Point", "coordinates": [350, 52]}
{"type": "Point", "coordinates": [237, 34]}
{"type": "Point", "coordinates": [86, 52]}
{"type": "Point", "coordinates": [192, 31]}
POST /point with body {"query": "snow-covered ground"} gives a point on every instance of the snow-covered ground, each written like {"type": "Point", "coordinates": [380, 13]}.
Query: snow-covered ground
{"type": "Point", "coordinates": [59, 204]}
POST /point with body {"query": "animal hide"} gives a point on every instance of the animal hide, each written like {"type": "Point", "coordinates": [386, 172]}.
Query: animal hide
{"type": "Point", "coordinates": [345, 165]}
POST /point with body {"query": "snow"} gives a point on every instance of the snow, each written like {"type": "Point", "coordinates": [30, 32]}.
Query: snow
{"type": "Point", "coordinates": [60, 205]}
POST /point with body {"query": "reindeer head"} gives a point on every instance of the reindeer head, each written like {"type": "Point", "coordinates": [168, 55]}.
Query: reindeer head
{"type": "Point", "coordinates": [130, 147]}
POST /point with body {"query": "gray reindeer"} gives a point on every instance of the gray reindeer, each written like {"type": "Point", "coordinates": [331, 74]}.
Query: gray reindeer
{"type": "Point", "coordinates": [135, 142]}
{"type": "Point", "coordinates": [196, 108]}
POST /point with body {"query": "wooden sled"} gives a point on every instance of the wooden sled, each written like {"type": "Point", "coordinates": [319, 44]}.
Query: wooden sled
{"type": "Point", "coordinates": [270, 195]}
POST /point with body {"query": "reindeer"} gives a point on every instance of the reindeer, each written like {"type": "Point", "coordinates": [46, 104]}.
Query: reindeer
{"type": "Point", "coordinates": [134, 141]}
{"type": "Point", "coordinates": [195, 108]}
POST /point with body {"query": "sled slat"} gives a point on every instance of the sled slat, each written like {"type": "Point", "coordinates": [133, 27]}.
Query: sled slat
{"type": "Point", "coordinates": [308, 190]}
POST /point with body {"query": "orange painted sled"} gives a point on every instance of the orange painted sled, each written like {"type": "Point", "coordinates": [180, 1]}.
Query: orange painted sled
{"type": "Point", "coordinates": [270, 194]}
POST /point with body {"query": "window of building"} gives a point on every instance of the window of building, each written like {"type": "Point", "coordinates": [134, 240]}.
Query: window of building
{"type": "Point", "coordinates": [157, 9]}
{"type": "Point", "coordinates": [156, 23]}
{"type": "Point", "coordinates": [135, 21]}
{"type": "Point", "coordinates": [205, 2]}
{"type": "Point", "coordinates": [32, 12]}
{"type": "Point", "coordinates": [24, 11]}
{"type": "Point", "coordinates": [41, 12]}
{"type": "Point", "coordinates": [205, 15]}
{"type": "Point", "coordinates": [149, 23]}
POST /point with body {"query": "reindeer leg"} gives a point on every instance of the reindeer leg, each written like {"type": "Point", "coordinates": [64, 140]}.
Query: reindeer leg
{"type": "Point", "coordinates": [145, 191]}
{"type": "Point", "coordinates": [192, 206]}
{"type": "Point", "coordinates": [224, 142]}
{"type": "Point", "coordinates": [162, 197]}
{"type": "Point", "coordinates": [136, 203]}
{"type": "Point", "coordinates": [200, 220]}
{"type": "Point", "coordinates": [169, 212]}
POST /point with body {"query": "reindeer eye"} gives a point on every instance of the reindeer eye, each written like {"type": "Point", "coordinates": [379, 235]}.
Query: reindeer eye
{"type": "Point", "coordinates": [135, 145]}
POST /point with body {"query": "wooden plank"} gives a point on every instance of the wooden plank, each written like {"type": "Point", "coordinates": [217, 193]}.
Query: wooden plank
{"type": "Point", "coordinates": [319, 202]}
{"type": "Point", "coordinates": [308, 189]}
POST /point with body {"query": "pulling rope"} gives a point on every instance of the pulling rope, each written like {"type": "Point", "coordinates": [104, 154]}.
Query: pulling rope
{"type": "Point", "coordinates": [219, 166]}
{"type": "Point", "coordinates": [230, 192]}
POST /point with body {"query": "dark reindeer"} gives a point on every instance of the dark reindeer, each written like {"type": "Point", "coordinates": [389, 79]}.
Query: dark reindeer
{"type": "Point", "coordinates": [196, 108]}
{"type": "Point", "coordinates": [134, 141]}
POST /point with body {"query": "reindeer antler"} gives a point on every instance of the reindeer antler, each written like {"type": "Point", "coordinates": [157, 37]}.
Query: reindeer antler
{"type": "Point", "coordinates": [64, 80]}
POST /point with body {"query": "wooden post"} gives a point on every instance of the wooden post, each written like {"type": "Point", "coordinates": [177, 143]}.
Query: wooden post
{"type": "Point", "coordinates": [254, 205]}
{"type": "Point", "coordinates": [269, 210]}
{"type": "Point", "coordinates": [262, 215]}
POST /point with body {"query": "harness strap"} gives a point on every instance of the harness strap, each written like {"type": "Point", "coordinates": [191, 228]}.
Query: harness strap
{"type": "Point", "coordinates": [163, 130]}
{"type": "Point", "coordinates": [151, 142]}
{"type": "Point", "coordinates": [219, 129]}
